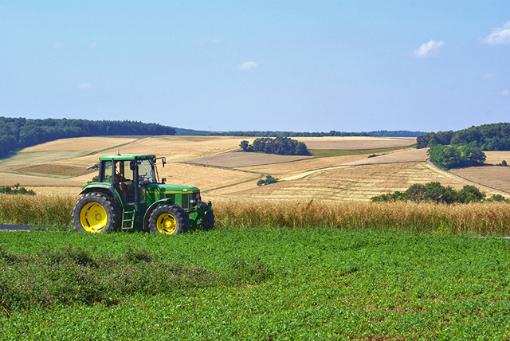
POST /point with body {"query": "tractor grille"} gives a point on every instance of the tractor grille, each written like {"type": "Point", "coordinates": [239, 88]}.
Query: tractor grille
{"type": "Point", "coordinates": [195, 200]}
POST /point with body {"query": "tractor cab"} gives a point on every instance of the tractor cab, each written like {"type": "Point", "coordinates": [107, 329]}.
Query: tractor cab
{"type": "Point", "coordinates": [129, 174]}
{"type": "Point", "coordinates": [128, 195]}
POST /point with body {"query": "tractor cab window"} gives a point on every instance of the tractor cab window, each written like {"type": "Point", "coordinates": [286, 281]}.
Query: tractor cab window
{"type": "Point", "coordinates": [124, 180]}
{"type": "Point", "coordinates": [146, 174]}
{"type": "Point", "coordinates": [106, 171]}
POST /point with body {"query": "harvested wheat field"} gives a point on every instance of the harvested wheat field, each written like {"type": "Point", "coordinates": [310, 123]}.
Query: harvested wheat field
{"type": "Point", "coordinates": [495, 177]}
{"type": "Point", "coordinates": [215, 165]}
{"type": "Point", "coordinates": [408, 155]}
{"type": "Point", "coordinates": [353, 182]}
{"type": "Point", "coordinates": [496, 157]}
{"type": "Point", "coordinates": [355, 142]}
{"type": "Point", "coordinates": [244, 159]}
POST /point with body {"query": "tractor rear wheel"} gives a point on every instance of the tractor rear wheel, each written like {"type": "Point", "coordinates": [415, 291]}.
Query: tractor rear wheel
{"type": "Point", "coordinates": [96, 213]}
{"type": "Point", "coordinates": [168, 219]}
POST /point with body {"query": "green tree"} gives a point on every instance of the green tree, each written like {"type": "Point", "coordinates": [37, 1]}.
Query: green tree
{"type": "Point", "coordinates": [448, 157]}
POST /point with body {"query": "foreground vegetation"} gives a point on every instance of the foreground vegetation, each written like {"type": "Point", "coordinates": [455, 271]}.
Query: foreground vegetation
{"type": "Point", "coordinates": [479, 218]}
{"type": "Point", "coordinates": [254, 284]}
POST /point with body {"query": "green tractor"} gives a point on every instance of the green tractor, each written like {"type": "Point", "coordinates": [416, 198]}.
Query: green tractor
{"type": "Point", "coordinates": [127, 195]}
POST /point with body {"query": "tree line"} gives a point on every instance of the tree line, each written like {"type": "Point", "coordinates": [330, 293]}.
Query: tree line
{"type": "Point", "coordinates": [277, 145]}
{"type": "Point", "coordinates": [485, 137]}
{"type": "Point", "coordinates": [464, 148]}
{"type": "Point", "coordinates": [271, 133]}
{"type": "Point", "coordinates": [18, 133]}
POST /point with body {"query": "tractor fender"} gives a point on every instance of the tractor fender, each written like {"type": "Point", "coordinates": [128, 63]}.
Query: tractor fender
{"type": "Point", "coordinates": [151, 208]}
{"type": "Point", "coordinates": [108, 190]}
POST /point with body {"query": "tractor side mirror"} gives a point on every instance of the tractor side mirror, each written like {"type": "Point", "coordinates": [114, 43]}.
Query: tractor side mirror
{"type": "Point", "coordinates": [163, 180]}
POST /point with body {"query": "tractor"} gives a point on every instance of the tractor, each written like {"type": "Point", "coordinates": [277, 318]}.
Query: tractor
{"type": "Point", "coordinates": [127, 195]}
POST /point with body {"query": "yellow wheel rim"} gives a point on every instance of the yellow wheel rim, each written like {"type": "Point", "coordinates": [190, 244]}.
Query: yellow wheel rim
{"type": "Point", "coordinates": [93, 217]}
{"type": "Point", "coordinates": [166, 223]}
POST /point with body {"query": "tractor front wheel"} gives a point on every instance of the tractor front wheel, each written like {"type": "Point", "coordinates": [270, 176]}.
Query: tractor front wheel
{"type": "Point", "coordinates": [95, 213]}
{"type": "Point", "coordinates": [168, 219]}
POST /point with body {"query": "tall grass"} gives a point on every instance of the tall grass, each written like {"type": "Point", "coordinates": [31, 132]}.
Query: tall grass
{"type": "Point", "coordinates": [486, 218]}
{"type": "Point", "coordinates": [480, 218]}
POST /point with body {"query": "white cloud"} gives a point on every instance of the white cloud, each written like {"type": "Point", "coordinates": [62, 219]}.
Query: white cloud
{"type": "Point", "coordinates": [499, 35]}
{"type": "Point", "coordinates": [248, 66]}
{"type": "Point", "coordinates": [505, 92]}
{"type": "Point", "coordinates": [85, 86]}
{"type": "Point", "coordinates": [428, 48]}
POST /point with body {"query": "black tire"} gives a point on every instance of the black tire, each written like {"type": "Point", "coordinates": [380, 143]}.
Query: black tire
{"type": "Point", "coordinates": [208, 219]}
{"type": "Point", "coordinates": [176, 213]}
{"type": "Point", "coordinates": [113, 218]}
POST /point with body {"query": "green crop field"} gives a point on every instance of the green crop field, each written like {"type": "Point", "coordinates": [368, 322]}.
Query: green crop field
{"type": "Point", "coordinates": [254, 283]}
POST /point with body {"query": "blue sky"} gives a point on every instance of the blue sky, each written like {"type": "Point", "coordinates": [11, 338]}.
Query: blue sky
{"type": "Point", "coordinates": [259, 65]}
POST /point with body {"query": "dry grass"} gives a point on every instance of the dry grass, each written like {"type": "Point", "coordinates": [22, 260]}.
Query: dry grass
{"type": "Point", "coordinates": [9, 179]}
{"type": "Point", "coordinates": [180, 148]}
{"type": "Point", "coordinates": [297, 167]}
{"type": "Point", "coordinates": [479, 218]}
{"type": "Point", "coordinates": [54, 170]}
{"type": "Point", "coordinates": [356, 142]}
{"type": "Point", "coordinates": [484, 218]}
{"type": "Point", "coordinates": [80, 144]}
{"type": "Point", "coordinates": [244, 159]}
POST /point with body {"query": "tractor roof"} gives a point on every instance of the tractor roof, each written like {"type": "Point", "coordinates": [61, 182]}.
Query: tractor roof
{"type": "Point", "coordinates": [127, 157]}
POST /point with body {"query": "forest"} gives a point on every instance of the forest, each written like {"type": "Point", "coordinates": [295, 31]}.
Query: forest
{"type": "Point", "coordinates": [485, 137]}
{"type": "Point", "coordinates": [18, 133]}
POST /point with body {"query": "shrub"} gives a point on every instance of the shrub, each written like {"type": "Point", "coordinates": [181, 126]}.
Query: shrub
{"type": "Point", "coordinates": [448, 157]}
{"type": "Point", "coordinates": [16, 189]}
{"type": "Point", "coordinates": [245, 146]}
{"type": "Point", "coordinates": [470, 194]}
{"type": "Point", "coordinates": [436, 193]}
{"type": "Point", "coordinates": [277, 145]}
{"type": "Point", "coordinates": [267, 180]}
{"type": "Point", "coordinates": [504, 163]}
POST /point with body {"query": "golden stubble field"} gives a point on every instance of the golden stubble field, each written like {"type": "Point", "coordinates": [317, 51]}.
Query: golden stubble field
{"type": "Point", "coordinates": [215, 165]}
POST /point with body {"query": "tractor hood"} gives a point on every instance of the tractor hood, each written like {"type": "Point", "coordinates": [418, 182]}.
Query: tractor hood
{"type": "Point", "coordinates": [171, 188]}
